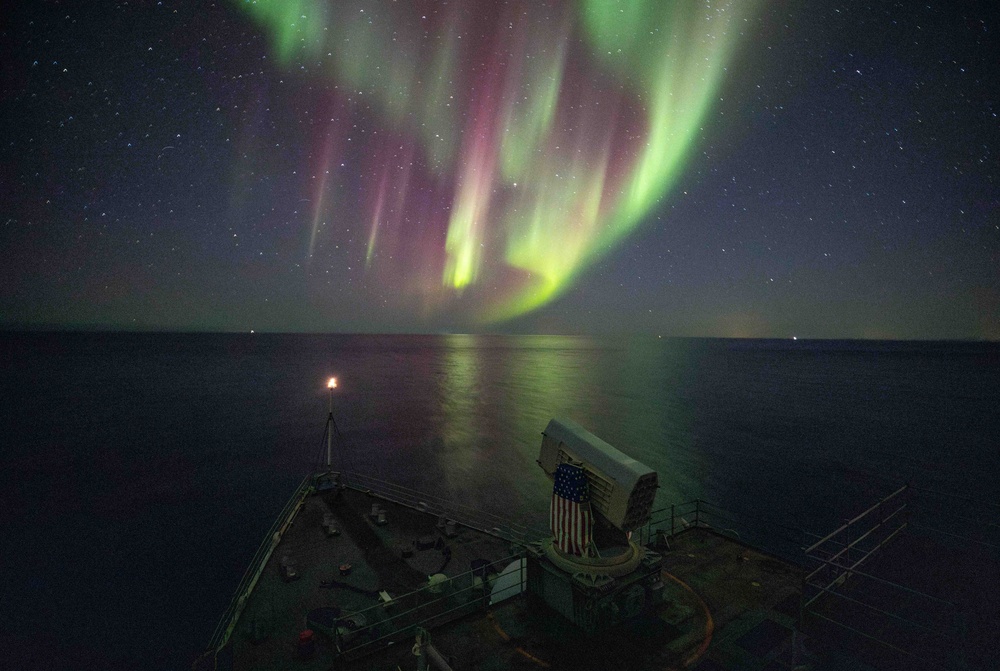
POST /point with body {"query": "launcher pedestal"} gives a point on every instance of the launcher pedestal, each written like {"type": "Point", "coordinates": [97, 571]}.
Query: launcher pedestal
{"type": "Point", "coordinates": [591, 572]}
{"type": "Point", "coordinates": [594, 602]}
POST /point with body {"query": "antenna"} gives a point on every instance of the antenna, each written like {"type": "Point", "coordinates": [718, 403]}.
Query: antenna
{"type": "Point", "coordinates": [331, 385]}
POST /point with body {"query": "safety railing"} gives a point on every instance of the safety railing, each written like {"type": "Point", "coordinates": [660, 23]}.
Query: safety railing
{"type": "Point", "coordinates": [845, 549]}
{"type": "Point", "coordinates": [842, 602]}
{"type": "Point", "coordinates": [431, 606]}
{"type": "Point", "coordinates": [836, 561]}
{"type": "Point", "coordinates": [848, 605]}
{"type": "Point", "coordinates": [473, 518]}
{"type": "Point", "coordinates": [765, 532]}
{"type": "Point", "coordinates": [232, 613]}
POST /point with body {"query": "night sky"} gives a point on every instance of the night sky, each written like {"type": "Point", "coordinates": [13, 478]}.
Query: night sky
{"type": "Point", "coordinates": [736, 169]}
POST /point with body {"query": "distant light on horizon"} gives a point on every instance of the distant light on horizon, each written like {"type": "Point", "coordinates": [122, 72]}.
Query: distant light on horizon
{"type": "Point", "coordinates": [684, 168]}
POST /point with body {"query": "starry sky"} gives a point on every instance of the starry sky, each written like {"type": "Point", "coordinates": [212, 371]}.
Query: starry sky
{"type": "Point", "coordinates": [689, 168]}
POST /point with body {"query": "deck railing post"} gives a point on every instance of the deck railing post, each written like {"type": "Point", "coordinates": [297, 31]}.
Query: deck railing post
{"type": "Point", "coordinates": [520, 569]}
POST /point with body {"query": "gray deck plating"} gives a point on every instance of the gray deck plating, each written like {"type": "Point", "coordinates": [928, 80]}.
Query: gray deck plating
{"type": "Point", "coordinates": [266, 636]}
{"type": "Point", "coordinates": [738, 598]}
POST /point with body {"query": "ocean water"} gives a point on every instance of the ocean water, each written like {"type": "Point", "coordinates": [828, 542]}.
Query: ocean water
{"type": "Point", "coordinates": [141, 471]}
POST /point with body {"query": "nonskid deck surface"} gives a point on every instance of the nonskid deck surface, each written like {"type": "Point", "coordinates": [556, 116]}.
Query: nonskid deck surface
{"type": "Point", "coordinates": [728, 606]}
{"type": "Point", "coordinates": [267, 633]}
{"type": "Point", "coordinates": [753, 599]}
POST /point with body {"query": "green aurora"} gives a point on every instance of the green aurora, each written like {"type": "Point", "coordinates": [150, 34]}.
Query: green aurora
{"type": "Point", "coordinates": [549, 131]}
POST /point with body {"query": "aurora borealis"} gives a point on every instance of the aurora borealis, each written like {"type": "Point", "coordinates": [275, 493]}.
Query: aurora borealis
{"type": "Point", "coordinates": [544, 140]}
{"type": "Point", "coordinates": [689, 167]}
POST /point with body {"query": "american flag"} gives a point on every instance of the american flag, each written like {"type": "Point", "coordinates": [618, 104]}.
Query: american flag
{"type": "Point", "coordinates": [569, 515]}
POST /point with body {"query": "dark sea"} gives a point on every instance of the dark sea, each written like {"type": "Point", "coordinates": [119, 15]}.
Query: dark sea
{"type": "Point", "coordinates": [141, 471]}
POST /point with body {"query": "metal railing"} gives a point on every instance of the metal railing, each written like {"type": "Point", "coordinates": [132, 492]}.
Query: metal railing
{"type": "Point", "coordinates": [435, 505]}
{"type": "Point", "coordinates": [835, 563]}
{"type": "Point", "coordinates": [919, 629]}
{"type": "Point", "coordinates": [771, 535]}
{"type": "Point", "coordinates": [838, 592]}
{"type": "Point", "coordinates": [839, 555]}
{"type": "Point", "coordinates": [428, 607]}
{"type": "Point", "coordinates": [439, 506]}
{"type": "Point", "coordinates": [232, 613]}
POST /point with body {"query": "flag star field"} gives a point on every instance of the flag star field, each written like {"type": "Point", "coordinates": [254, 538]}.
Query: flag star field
{"type": "Point", "coordinates": [734, 168]}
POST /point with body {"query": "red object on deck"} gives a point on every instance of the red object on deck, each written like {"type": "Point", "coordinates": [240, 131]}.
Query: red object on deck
{"type": "Point", "coordinates": [307, 646]}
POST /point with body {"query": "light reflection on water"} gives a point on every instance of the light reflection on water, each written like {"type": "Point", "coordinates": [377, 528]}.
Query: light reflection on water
{"type": "Point", "coordinates": [476, 411]}
{"type": "Point", "coordinates": [156, 462]}
{"type": "Point", "coordinates": [800, 432]}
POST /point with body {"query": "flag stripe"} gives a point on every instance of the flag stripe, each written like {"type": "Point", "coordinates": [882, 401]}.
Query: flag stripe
{"type": "Point", "coordinates": [570, 516]}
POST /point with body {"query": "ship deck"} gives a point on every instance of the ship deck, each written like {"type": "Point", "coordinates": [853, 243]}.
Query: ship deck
{"type": "Point", "coordinates": [729, 606]}
{"type": "Point", "coordinates": [267, 633]}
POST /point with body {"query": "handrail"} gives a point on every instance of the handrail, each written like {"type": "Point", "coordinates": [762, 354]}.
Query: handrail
{"type": "Point", "coordinates": [895, 616]}
{"type": "Point", "coordinates": [888, 583]}
{"type": "Point", "coordinates": [828, 559]}
{"type": "Point", "coordinates": [852, 569]}
{"type": "Point", "coordinates": [515, 533]}
{"type": "Point", "coordinates": [697, 512]}
{"type": "Point", "coordinates": [701, 513]}
{"type": "Point", "coordinates": [858, 517]}
{"type": "Point", "coordinates": [856, 541]}
{"type": "Point", "coordinates": [756, 518]}
{"type": "Point", "coordinates": [437, 505]}
{"type": "Point", "coordinates": [412, 494]}
{"type": "Point", "coordinates": [401, 623]}
{"type": "Point", "coordinates": [839, 559]}
{"type": "Point", "coordinates": [225, 627]}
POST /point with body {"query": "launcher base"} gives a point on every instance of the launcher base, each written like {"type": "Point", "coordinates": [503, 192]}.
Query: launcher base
{"type": "Point", "coordinates": [592, 599]}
